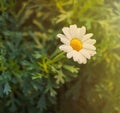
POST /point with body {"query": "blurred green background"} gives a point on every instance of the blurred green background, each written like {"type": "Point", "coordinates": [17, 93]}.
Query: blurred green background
{"type": "Point", "coordinates": [36, 78]}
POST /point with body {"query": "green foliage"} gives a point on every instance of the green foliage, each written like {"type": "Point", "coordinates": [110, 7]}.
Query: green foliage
{"type": "Point", "coordinates": [32, 69]}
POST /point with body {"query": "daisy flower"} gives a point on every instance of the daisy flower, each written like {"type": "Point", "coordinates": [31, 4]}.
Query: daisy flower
{"type": "Point", "coordinates": [77, 44]}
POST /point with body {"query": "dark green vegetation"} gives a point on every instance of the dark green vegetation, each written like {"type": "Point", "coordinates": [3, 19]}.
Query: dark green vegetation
{"type": "Point", "coordinates": [35, 77]}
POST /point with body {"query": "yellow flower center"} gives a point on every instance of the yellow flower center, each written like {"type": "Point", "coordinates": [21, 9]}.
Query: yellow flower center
{"type": "Point", "coordinates": [76, 44]}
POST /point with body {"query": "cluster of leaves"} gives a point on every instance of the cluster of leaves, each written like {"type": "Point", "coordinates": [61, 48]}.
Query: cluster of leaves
{"type": "Point", "coordinates": [32, 68]}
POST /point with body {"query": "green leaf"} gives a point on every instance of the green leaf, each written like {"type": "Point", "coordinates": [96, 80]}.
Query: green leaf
{"type": "Point", "coordinates": [37, 76]}
{"type": "Point", "coordinates": [7, 88]}
{"type": "Point", "coordinates": [42, 103]}
{"type": "Point", "coordinates": [71, 68]}
{"type": "Point", "coordinates": [50, 88]}
{"type": "Point", "coordinates": [60, 78]}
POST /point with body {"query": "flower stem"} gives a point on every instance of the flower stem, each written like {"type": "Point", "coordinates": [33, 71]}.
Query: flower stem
{"type": "Point", "coordinates": [58, 57]}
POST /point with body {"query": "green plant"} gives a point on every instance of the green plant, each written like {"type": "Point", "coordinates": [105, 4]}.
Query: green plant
{"type": "Point", "coordinates": [35, 77]}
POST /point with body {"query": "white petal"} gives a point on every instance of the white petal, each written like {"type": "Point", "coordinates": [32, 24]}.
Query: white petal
{"type": "Point", "coordinates": [66, 31]}
{"type": "Point", "coordinates": [73, 30]}
{"type": "Point", "coordinates": [90, 41]}
{"type": "Point", "coordinates": [85, 53]}
{"type": "Point", "coordinates": [70, 54]}
{"type": "Point", "coordinates": [73, 27]}
{"type": "Point", "coordinates": [82, 30]}
{"type": "Point", "coordinates": [76, 56]}
{"type": "Point", "coordinates": [89, 46]}
{"type": "Point", "coordinates": [65, 48]}
{"type": "Point", "coordinates": [63, 39]}
{"type": "Point", "coordinates": [91, 52]}
{"type": "Point", "coordinates": [87, 36]}
{"type": "Point", "coordinates": [61, 36]}
{"type": "Point", "coordinates": [79, 62]}
{"type": "Point", "coordinates": [82, 59]}
{"type": "Point", "coordinates": [80, 35]}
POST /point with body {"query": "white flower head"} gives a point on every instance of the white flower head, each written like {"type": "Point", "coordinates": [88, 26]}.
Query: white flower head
{"type": "Point", "coordinates": [77, 44]}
